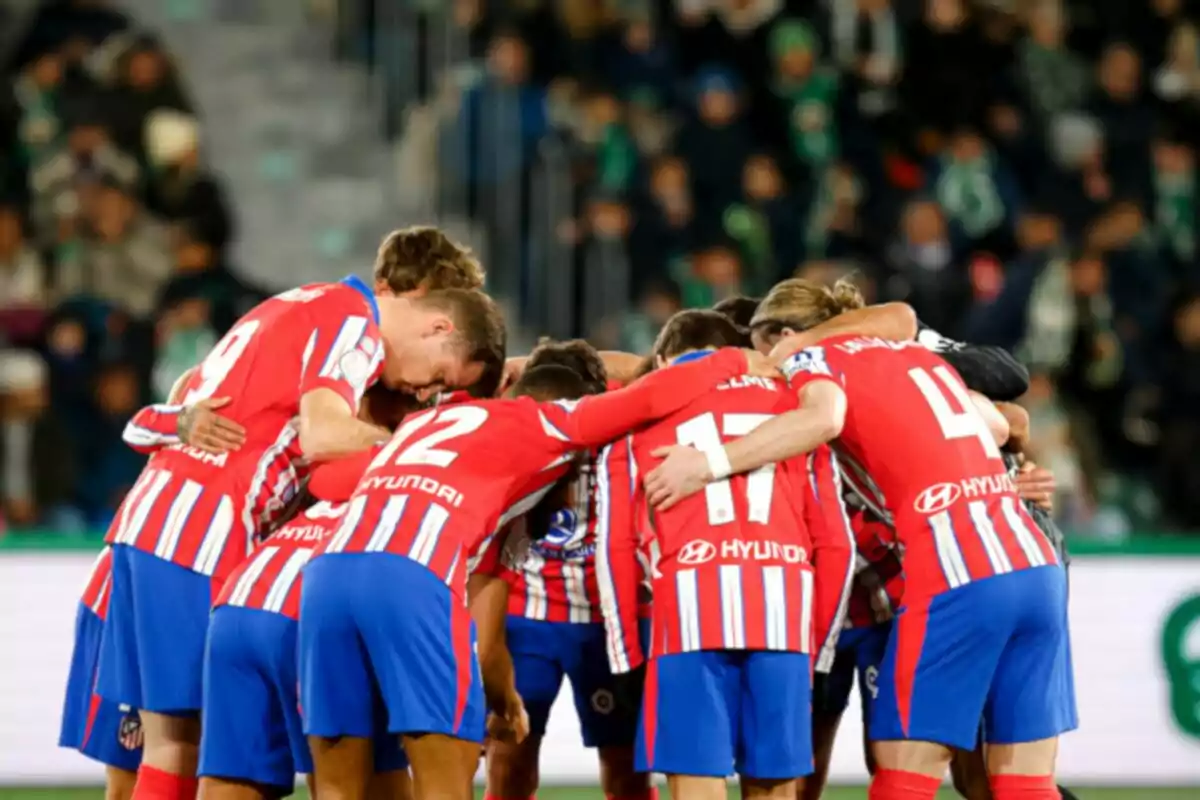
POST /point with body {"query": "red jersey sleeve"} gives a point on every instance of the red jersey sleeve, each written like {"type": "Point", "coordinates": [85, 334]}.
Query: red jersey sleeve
{"type": "Point", "coordinates": [335, 481]}
{"type": "Point", "coordinates": [811, 364]}
{"type": "Point", "coordinates": [833, 553]}
{"type": "Point", "coordinates": [153, 428]}
{"type": "Point", "coordinates": [599, 419]}
{"type": "Point", "coordinates": [343, 352]}
{"type": "Point", "coordinates": [618, 571]}
{"type": "Point", "coordinates": [488, 560]}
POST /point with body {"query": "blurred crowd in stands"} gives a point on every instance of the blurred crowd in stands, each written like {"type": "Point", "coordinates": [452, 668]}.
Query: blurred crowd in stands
{"type": "Point", "coordinates": [1023, 172]}
{"type": "Point", "coordinates": [112, 235]}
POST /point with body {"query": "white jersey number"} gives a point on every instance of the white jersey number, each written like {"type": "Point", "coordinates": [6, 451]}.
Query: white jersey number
{"type": "Point", "coordinates": [701, 432]}
{"type": "Point", "coordinates": [217, 365]}
{"type": "Point", "coordinates": [462, 419]}
{"type": "Point", "coordinates": [962, 424]}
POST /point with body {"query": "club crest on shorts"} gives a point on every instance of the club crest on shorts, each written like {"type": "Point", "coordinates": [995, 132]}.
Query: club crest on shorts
{"type": "Point", "coordinates": [130, 729]}
{"type": "Point", "coordinates": [871, 679]}
{"type": "Point", "coordinates": [602, 701]}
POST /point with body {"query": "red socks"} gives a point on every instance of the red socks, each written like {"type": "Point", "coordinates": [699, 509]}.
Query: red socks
{"type": "Point", "coordinates": [649, 794]}
{"type": "Point", "coordinates": [154, 784]}
{"type": "Point", "coordinates": [890, 784]}
{"type": "Point", "coordinates": [1023, 787]}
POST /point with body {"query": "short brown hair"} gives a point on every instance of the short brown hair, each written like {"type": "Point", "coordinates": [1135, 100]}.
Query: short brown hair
{"type": "Point", "coordinates": [423, 257]}
{"type": "Point", "coordinates": [479, 329]}
{"type": "Point", "coordinates": [801, 304]}
{"type": "Point", "coordinates": [739, 308]}
{"type": "Point", "coordinates": [577, 356]}
{"type": "Point", "coordinates": [697, 329]}
{"type": "Point", "coordinates": [549, 382]}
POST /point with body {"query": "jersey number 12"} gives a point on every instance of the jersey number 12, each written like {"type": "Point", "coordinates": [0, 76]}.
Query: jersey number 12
{"type": "Point", "coordinates": [462, 419]}
{"type": "Point", "coordinates": [701, 432]}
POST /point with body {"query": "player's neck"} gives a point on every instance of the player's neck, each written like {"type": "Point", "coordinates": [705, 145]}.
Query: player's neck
{"type": "Point", "coordinates": [392, 312]}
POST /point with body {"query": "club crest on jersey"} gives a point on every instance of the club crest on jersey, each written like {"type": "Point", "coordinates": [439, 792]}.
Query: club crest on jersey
{"type": "Point", "coordinates": [564, 539]}
{"type": "Point", "coordinates": [810, 359]}
{"type": "Point", "coordinates": [356, 366]}
{"type": "Point", "coordinates": [696, 552]}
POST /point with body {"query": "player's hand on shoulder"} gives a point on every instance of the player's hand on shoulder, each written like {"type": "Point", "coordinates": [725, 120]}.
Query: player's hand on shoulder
{"type": "Point", "coordinates": [199, 425]}
{"type": "Point", "coordinates": [1036, 484]}
{"type": "Point", "coordinates": [787, 346]}
{"type": "Point", "coordinates": [683, 472]}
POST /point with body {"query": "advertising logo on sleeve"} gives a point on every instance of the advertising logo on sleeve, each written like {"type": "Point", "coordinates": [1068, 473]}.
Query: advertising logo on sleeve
{"type": "Point", "coordinates": [810, 359]}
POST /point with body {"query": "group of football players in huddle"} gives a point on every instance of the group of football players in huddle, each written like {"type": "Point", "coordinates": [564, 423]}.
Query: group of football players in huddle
{"type": "Point", "coordinates": [368, 546]}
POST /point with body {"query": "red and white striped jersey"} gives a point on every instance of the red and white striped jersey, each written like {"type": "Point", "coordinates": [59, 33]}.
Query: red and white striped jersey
{"type": "Point", "coordinates": [761, 561]}
{"type": "Point", "coordinates": [99, 584]}
{"type": "Point", "coordinates": [452, 477]}
{"type": "Point", "coordinates": [270, 578]}
{"type": "Point", "coordinates": [915, 448]}
{"type": "Point", "coordinates": [201, 510]}
{"type": "Point", "coordinates": [554, 577]}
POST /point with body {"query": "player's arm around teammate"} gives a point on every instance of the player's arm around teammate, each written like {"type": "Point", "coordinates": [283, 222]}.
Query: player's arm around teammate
{"type": "Point", "coordinates": [156, 426]}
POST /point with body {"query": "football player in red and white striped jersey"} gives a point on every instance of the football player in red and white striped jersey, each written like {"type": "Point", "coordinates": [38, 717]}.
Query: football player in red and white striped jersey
{"type": "Point", "coordinates": [555, 627]}
{"type": "Point", "coordinates": [417, 519]}
{"type": "Point", "coordinates": [294, 369]}
{"type": "Point", "coordinates": [750, 585]}
{"type": "Point", "coordinates": [97, 728]}
{"type": "Point", "coordinates": [984, 620]}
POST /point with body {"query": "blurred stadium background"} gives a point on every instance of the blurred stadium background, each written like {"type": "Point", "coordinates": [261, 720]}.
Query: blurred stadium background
{"type": "Point", "coordinates": [1021, 171]}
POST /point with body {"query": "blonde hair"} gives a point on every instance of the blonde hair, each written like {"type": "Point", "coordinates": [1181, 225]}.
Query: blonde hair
{"type": "Point", "coordinates": [801, 304]}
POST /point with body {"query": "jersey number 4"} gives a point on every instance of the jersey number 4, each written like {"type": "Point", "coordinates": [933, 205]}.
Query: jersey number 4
{"type": "Point", "coordinates": [963, 424]}
{"type": "Point", "coordinates": [425, 450]}
{"type": "Point", "coordinates": [702, 433]}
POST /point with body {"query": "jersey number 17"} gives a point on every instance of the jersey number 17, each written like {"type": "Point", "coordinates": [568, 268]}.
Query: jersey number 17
{"type": "Point", "coordinates": [703, 433]}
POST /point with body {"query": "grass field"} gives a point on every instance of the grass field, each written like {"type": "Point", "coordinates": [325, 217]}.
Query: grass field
{"type": "Point", "coordinates": [585, 793]}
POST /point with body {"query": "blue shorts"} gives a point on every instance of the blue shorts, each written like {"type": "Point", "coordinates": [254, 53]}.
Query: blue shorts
{"type": "Point", "coordinates": [152, 655]}
{"type": "Point", "coordinates": [544, 652]}
{"type": "Point", "coordinates": [386, 647]}
{"type": "Point", "coordinates": [860, 653]}
{"type": "Point", "coordinates": [252, 728]}
{"type": "Point", "coordinates": [716, 712]}
{"type": "Point", "coordinates": [100, 729]}
{"type": "Point", "coordinates": [992, 649]}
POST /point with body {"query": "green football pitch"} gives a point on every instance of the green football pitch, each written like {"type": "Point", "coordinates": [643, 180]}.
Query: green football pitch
{"type": "Point", "coordinates": [585, 793]}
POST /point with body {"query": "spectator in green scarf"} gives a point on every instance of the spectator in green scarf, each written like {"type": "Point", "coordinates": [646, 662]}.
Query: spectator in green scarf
{"type": "Point", "coordinates": [809, 93]}
{"type": "Point", "coordinates": [1174, 200]}
{"type": "Point", "coordinates": [763, 224]}
{"type": "Point", "coordinates": [977, 193]}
